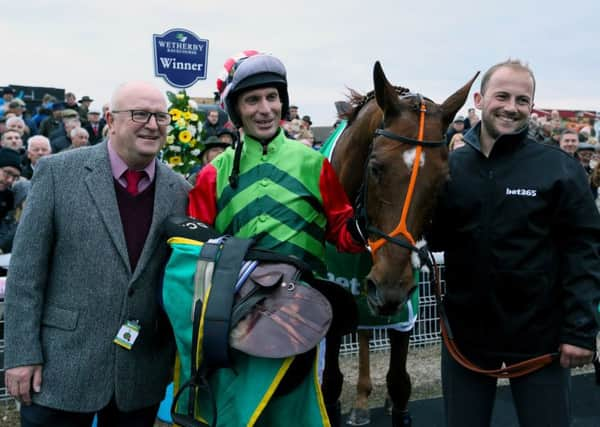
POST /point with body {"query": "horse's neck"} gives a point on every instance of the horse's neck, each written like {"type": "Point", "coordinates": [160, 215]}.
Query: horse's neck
{"type": "Point", "coordinates": [351, 151]}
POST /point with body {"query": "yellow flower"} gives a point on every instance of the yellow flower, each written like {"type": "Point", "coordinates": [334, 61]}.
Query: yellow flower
{"type": "Point", "coordinates": [193, 143]}
{"type": "Point", "coordinates": [175, 160]}
{"type": "Point", "coordinates": [175, 115]}
{"type": "Point", "coordinates": [185, 136]}
{"type": "Point", "coordinates": [180, 96]}
{"type": "Point", "coordinates": [194, 117]}
{"type": "Point", "coordinates": [181, 123]}
{"type": "Point", "coordinates": [187, 115]}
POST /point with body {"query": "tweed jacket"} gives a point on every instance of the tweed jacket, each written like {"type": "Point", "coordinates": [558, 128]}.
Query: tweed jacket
{"type": "Point", "coordinates": [70, 287]}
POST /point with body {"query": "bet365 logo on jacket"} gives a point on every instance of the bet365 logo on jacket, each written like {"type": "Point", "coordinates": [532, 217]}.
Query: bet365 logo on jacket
{"type": "Point", "coordinates": [527, 192]}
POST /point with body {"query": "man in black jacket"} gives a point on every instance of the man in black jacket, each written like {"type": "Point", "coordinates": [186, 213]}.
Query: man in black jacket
{"type": "Point", "coordinates": [521, 237]}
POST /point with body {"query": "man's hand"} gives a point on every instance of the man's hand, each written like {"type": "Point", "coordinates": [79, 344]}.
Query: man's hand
{"type": "Point", "coordinates": [574, 357]}
{"type": "Point", "coordinates": [20, 381]}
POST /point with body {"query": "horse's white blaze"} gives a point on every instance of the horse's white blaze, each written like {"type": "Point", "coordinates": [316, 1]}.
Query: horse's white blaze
{"type": "Point", "coordinates": [409, 158]}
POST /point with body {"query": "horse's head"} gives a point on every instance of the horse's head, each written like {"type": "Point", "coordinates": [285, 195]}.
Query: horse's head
{"type": "Point", "coordinates": [406, 165]}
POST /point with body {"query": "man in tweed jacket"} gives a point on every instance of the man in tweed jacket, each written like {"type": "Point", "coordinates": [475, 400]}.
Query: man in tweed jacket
{"type": "Point", "coordinates": [87, 260]}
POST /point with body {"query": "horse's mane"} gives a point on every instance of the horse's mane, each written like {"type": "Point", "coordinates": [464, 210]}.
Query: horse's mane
{"type": "Point", "coordinates": [358, 101]}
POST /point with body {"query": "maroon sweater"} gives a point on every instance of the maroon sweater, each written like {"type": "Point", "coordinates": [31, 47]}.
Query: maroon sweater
{"type": "Point", "coordinates": [136, 217]}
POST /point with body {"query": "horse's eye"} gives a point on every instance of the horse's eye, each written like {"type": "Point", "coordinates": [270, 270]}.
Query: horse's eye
{"type": "Point", "coordinates": [375, 169]}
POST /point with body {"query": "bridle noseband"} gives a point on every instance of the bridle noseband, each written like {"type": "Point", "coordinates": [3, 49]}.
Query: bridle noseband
{"type": "Point", "coordinates": [400, 236]}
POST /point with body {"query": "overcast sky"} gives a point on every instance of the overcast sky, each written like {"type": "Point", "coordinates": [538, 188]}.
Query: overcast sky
{"type": "Point", "coordinates": [430, 46]}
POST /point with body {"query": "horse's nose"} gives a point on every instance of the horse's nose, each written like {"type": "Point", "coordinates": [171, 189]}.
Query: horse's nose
{"type": "Point", "coordinates": [382, 304]}
{"type": "Point", "coordinates": [372, 292]}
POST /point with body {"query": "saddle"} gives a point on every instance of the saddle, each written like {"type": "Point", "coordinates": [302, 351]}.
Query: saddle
{"type": "Point", "coordinates": [277, 307]}
{"type": "Point", "coordinates": [252, 300]}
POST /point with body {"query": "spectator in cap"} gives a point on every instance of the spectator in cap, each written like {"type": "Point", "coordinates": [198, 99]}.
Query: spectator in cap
{"type": "Point", "coordinates": [38, 146]}
{"type": "Point", "coordinates": [292, 113]}
{"type": "Point", "coordinates": [19, 108]}
{"type": "Point", "coordinates": [84, 106]}
{"type": "Point", "coordinates": [12, 139]}
{"type": "Point", "coordinates": [260, 190]}
{"type": "Point", "coordinates": [8, 93]}
{"type": "Point", "coordinates": [457, 126]}
{"type": "Point", "coordinates": [585, 151]}
{"type": "Point", "coordinates": [53, 121]}
{"type": "Point", "coordinates": [227, 135]}
{"type": "Point", "coordinates": [66, 115]}
{"type": "Point", "coordinates": [213, 146]}
{"type": "Point", "coordinates": [94, 126]}
{"type": "Point", "coordinates": [306, 122]}
{"type": "Point", "coordinates": [60, 143]}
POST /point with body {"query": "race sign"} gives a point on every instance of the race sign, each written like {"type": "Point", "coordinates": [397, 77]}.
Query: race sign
{"type": "Point", "coordinates": [180, 57]}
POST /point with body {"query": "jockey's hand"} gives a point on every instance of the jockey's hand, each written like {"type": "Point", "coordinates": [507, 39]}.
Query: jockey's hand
{"type": "Point", "coordinates": [21, 380]}
{"type": "Point", "coordinates": [574, 357]}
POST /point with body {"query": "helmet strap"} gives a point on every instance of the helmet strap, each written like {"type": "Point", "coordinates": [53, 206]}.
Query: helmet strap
{"type": "Point", "coordinates": [235, 171]}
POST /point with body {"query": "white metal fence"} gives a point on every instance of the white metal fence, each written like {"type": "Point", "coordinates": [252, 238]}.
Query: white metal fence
{"type": "Point", "coordinates": [427, 327]}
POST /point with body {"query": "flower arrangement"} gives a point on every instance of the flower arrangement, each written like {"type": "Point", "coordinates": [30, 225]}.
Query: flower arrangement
{"type": "Point", "coordinates": [184, 134]}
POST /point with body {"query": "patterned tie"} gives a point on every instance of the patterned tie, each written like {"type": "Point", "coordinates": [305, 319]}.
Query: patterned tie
{"type": "Point", "coordinates": [133, 179]}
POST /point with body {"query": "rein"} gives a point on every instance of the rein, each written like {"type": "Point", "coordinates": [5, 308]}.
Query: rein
{"type": "Point", "coordinates": [511, 371]}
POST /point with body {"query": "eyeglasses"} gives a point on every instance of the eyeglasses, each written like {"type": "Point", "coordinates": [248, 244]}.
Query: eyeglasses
{"type": "Point", "coordinates": [141, 116]}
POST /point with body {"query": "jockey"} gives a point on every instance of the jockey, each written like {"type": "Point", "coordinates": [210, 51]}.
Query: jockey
{"type": "Point", "coordinates": [280, 193]}
{"type": "Point", "coordinates": [286, 197]}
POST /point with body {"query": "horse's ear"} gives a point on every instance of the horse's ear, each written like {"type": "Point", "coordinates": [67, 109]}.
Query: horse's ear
{"type": "Point", "coordinates": [455, 101]}
{"type": "Point", "coordinates": [385, 94]}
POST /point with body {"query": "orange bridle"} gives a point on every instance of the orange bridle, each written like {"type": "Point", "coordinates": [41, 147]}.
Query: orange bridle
{"type": "Point", "coordinates": [401, 228]}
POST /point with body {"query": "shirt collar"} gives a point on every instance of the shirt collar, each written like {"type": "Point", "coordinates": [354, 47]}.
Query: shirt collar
{"type": "Point", "coordinates": [509, 140]}
{"type": "Point", "coordinates": [118, 166]}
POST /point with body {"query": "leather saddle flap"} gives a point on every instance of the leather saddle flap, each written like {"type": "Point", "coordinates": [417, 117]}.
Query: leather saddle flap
{"type": "Point", "coordinates": [288, 318]}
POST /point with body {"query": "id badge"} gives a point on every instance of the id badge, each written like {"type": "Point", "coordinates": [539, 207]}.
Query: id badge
{"type": "Point", "coordinates": [127, 334]}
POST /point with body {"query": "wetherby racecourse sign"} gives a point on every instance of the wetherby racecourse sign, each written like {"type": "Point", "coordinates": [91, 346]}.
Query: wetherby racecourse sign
{"type": "Point", "coordinates": [180, 57]}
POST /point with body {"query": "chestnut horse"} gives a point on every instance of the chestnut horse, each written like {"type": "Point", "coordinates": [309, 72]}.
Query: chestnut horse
{"type": "Point", "coordinates": [391, 159]}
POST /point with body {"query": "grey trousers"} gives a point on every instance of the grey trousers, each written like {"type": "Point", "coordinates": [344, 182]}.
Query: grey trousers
{"type": "Point", "coordinates": [541, 398]}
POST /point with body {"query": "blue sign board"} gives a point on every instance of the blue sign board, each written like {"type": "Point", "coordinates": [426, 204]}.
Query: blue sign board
{"type": "Point", "coordinates": [180, 57]}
